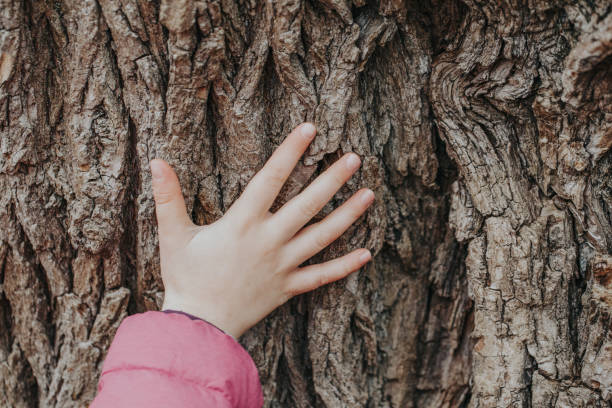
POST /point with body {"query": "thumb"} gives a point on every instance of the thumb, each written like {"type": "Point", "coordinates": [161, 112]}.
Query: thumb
{"type": "Point", "coordinates": [169, 202]}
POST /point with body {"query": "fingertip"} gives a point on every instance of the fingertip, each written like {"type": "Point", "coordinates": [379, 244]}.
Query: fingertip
{"type": "Point", "coordinates": [365, 256]}
{"type": "Point", "coordinates": [157, 169]}
{"type": "Point", "coordinates": [168, 197]}
{"type": "Point", "coordinates": [308, 130]}
{"type": "Point", "coordinates": [367, 196]}
{"type": "Point", "coordinates": [353, 161]}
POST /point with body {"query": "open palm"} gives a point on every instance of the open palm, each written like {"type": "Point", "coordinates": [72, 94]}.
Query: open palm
{"type": "Point", "coordinates": [238, 269]}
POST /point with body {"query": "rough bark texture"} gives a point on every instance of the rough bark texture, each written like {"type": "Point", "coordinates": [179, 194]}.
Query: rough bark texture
{"type": "Point", "coordinates": [485, 132]}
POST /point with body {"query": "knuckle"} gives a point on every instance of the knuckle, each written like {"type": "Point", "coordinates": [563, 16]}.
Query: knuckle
{"type": "Point", "coordinates": [346, 267]}
{"type": "Point", "coordinates": [273, 237]}
{"type": "Point", "coordinates": [275, 177]}
{"type": "Point", "coordinates": [284, 297]}
{"type": "Point", "coordinates": [355, 211]}
{"type": "Point", "coordinates": [323, 279]}
{"type": "Point", "coordinates": [289, 292]}
{"type": "Point", "coordinates": [273, 171]}
{"type": "Point", "coordinates": [162, 197]}
{"type": "Point", "coordinates": [337, 177]}
{"type": "Point", "coordinates": [309, 208]}
{"type": "Point", "coordinates": [350, 209]}
{"type": "Point", "coordinates": [321, 241]}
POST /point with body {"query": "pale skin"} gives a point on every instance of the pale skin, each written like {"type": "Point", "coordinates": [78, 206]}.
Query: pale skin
{"type": "Point", "coordinates": [235, 271]}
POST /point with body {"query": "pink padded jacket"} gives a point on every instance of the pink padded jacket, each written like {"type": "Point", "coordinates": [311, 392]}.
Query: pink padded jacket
{"type": "Point", "coordinates": [160, 359]}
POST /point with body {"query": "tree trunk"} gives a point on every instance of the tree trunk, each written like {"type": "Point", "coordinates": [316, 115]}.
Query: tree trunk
{"type": "Point", "coordinates": [485, 132]}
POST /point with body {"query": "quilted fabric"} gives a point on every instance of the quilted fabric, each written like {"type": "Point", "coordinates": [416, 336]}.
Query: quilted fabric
{"type": "Point", "coordinates": [171, 360]}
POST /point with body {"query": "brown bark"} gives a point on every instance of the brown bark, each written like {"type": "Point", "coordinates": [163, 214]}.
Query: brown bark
{"type": "Point", "coordinates": [485, 132]}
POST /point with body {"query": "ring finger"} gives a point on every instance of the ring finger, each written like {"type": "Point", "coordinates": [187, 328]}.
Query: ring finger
{"type": "Point", "coordinates": [318, 236]}
{"type": "Point", "coordinates": [300, 209]}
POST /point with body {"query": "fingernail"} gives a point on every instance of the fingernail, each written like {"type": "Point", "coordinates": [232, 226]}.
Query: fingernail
{"type": "Point", "coordinates": [156, 170]}
{"type": "Point", "coordinates": [352, 162]}
{"type": "Point", "coordinates": [366, 256]}
{"type": "Point", "coordinates": [307, 130]}
{"type": "Point", "coordinates": [367, 196]}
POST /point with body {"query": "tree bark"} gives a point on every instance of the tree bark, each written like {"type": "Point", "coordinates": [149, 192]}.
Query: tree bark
{"type": "Point", "coordinates": [484, 129]}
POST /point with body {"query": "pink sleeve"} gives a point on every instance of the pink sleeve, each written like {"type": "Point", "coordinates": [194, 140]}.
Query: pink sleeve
{"type": "Point", "coordinates": [169, 360]}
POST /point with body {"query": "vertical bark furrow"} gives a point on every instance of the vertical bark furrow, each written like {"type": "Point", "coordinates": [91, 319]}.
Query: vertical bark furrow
{"type": "Point", "coordinates": [29, 304]}
{"type": "Point", "coordinates": [445, 344]}
{"type": "Point", "coordinates": [595, 328]}
{"type": "Point", "coordinates": [239, 105]}
{"type": "Point", "coordinates": [289, 55]}
{"type": "Point", "coordinates": [143, 83]}
{"type": "Point", "coordinates": [332, 62]}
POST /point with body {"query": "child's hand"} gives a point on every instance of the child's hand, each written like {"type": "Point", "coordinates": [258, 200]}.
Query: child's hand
{"type": "Point", "coordinates": [238, 269]}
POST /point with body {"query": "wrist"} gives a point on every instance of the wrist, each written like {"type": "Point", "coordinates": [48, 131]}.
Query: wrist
{"type": "Point", "coordinates": [192, 317]}
{"type": "Point", "coordinates": [172, 304]}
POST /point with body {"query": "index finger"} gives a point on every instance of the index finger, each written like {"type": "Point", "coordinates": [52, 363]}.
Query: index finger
{"type": "Point", "coordinates": [263, 188]}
